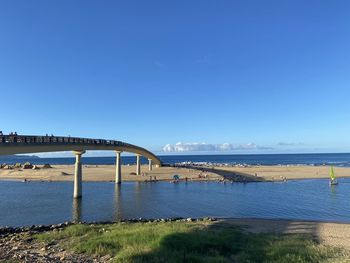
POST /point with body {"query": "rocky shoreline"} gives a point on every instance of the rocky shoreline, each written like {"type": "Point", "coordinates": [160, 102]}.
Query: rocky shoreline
{"type": "Point", "coordinates": [17, 244]}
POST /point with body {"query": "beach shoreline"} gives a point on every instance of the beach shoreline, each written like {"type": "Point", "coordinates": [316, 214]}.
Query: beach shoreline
{"type": "Point", "coordinates": [106, 173]}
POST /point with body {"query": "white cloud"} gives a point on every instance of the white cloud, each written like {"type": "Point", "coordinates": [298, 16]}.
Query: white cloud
{"type": "Point", "coordinates": [207, 147]}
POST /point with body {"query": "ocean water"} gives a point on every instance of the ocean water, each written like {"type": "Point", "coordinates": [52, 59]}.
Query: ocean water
{"type": "Point", "coordinates": [335, 159]}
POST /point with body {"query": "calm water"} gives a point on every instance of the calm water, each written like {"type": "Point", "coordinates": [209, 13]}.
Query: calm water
{"type": "Point", "coordinates": [48, 203]}
{"type": "Point", "coordinates": [336, 159]}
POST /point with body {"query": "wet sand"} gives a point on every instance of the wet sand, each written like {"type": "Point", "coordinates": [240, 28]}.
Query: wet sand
{"type": "Point", "coordinates": [194, 173]}
{"type": "Point", "coordinates": [330, 234]}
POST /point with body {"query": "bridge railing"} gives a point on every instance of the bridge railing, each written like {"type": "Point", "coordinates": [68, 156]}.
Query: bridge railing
{"type": "Point", "coordinates": [29, 139]}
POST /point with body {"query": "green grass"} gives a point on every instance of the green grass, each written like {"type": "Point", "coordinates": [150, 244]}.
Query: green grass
{"type": "Point", "coordinates": [189, 242]}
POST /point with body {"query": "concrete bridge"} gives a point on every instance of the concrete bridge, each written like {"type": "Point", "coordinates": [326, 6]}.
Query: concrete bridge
{"type": "Point", "coordinates": [20, 144]}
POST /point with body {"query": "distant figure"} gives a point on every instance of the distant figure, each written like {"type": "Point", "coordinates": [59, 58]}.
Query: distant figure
{"type": "Point", "coordinates": [1, 134]}
{"type": "Point", "coordinates": [155, 178]}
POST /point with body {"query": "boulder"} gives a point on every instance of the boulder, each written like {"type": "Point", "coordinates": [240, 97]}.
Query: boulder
{"type": "Point", "coordinates": [35, 167]}
{"type": "Point", "coordinates": [17, 165]}
{"type": "Point", "coordinates": [27, 165]}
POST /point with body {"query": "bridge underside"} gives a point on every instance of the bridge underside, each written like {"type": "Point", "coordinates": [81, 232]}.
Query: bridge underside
{"type": "Point", "coordinates": [8, 148]}
{"type": "Point", "coordinates": [23, 149]}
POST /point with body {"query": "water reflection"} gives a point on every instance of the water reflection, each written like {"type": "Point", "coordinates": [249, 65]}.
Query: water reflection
{"type": "Point", "coordinates": [76, 210]}
{"type": "Point", "coordinates": [117, 213]}
{"type": "Point", "coordinates": [333, 190]}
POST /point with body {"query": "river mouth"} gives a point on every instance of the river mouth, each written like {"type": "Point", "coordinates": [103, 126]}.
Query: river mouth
{"type": "Point", "coordinates": [34, 203]}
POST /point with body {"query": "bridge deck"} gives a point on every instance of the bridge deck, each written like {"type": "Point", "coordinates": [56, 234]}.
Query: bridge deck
{"type": "Point", "coordinates": [16, 144]}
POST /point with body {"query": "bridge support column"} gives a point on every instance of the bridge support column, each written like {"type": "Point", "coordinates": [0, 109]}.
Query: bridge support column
{"type": "Point", "coordinates": [118, 174]}
{"type": "Point", "coordinates": [78, 174]}
{"type": "Point", "coordinates": [149, 164]}
{"type": "Point", "coordinates": [138, 164]}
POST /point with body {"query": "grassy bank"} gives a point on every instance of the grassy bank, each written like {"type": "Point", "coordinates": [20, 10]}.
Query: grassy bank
{"type": "Point", "coordinates": [189, 242]}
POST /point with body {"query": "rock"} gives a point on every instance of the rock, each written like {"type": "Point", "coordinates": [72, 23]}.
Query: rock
{"type": "Point", "coordinates": [27, 165]}
{"type": "Point", "coordinates": [17, 165]}
{"type": "Point", "coordinates": [35, 167]}
{"type": "Point", "coordinates": [189, 219]}
{"type": "Point", "coordinates": [47, 166]}
{"type": "Point", "coordinates": [29, 239]}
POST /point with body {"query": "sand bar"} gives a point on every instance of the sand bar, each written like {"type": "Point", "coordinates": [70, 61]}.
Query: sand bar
{"type": "Point", "coordinates": [107, 173]}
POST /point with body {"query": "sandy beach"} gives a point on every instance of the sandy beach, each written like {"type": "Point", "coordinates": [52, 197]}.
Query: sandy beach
{"type": "Point", "coordinates": [278, 172]}
{"type": "Point", "coordinates": [105, 173]}
{"type": "Point", "coordinates": [193, 173]}
{"type": "Point", "coordinates": [327, 233]}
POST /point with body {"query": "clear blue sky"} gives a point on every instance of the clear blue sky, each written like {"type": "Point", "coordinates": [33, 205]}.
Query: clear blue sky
{"type": "Point", "coordinates": [272, 73]}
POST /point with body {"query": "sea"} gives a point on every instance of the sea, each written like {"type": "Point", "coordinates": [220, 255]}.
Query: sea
{"type": "Point", "coordinates": [335, 159]}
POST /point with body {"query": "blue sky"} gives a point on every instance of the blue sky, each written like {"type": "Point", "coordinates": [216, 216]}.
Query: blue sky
{"type": "Point", "coordinates": [262, 76]}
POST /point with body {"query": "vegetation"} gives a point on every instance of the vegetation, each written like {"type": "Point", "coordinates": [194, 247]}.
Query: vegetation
{"type": "Point", "coordinates": [189, 242]}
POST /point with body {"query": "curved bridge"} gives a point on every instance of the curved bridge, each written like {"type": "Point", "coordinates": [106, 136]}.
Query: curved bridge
{"type": "Point", "coordinates": [19, 144]}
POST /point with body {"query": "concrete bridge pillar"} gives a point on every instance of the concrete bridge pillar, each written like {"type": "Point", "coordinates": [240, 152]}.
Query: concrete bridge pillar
{"type": "Point", "coordinates": [149, 164]}
{"type": "Point", "coordinates": [138, 164]}
{"type": "Point", "coordinates": [78, 174]}
{"type": "Point", "coordinates": [118, 174]}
